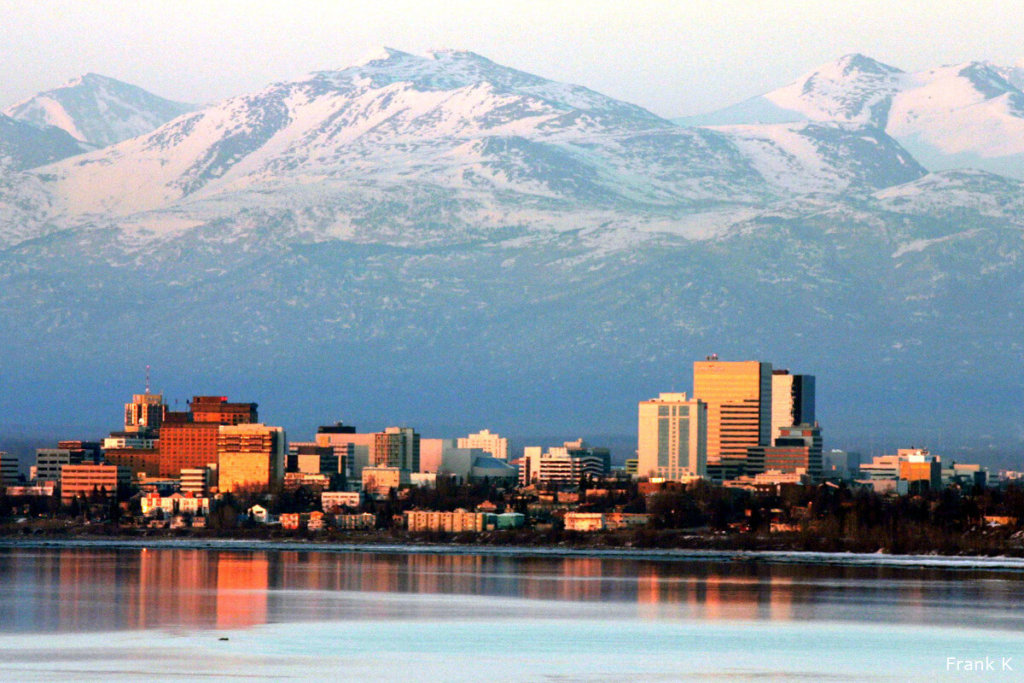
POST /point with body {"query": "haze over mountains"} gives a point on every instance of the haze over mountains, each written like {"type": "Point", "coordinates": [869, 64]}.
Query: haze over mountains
{"type": "Point", "coordinates": [449, 243]}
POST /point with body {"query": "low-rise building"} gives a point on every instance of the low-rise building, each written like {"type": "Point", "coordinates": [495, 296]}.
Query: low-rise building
{"type": "Point", "coordinates": [87, 480]}
{"type": "Point", "coordinates": [366, 520]}
{"type": "Point", "coordinates": [452, 522]}
{"type": "Point", "coordinates": [340, 499]}
{"type": "Point", "coordinates": [379, 481]}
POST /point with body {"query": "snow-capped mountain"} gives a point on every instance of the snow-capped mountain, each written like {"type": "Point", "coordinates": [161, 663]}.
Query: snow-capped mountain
{"type": "Point", "coordinates": [401, 123]}
{"type": "Point", "coordinates": [97, 110]}
{"type": "Point", "coordinates": [969, 114]}
{"type": "Point", "coordinates": [416, 233]}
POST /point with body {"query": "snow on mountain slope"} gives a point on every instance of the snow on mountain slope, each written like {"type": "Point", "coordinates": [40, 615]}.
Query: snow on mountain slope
{"type": "Point", "coordinates": [23, 145]}
{"type": "Point", "coordinates": [969, 114]}
{"type": "Point", "coordinates": [398, 127]}
{"type": "Point", "coordinates": [98, 110]}
{"type": "Point", "coordinates": [815, 158]}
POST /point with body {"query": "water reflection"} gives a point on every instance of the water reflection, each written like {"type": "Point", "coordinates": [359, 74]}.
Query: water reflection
{"type": "Point", "coordinates": [77, 589]}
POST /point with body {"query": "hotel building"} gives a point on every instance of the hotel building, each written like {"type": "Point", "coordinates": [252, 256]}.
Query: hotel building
{"type": "Point", "coordinates": [672, 437]}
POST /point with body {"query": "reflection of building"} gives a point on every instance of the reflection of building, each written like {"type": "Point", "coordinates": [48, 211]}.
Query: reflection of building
{"type": "Point", "coordinates": [249, 456]}
{"type": "Point", "coordinates": [739, 400]}
{"type": "Point", "coordinates": [672, 437]}
{"type": "Point", "coordinates": [241, 595]}
{"type": "Point", "coordinates": [494, 444]}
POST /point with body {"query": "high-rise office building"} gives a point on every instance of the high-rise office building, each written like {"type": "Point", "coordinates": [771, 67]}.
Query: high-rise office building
{"type": "Point", "coordinates": [397, 447]}
{"type": "Point", "coordinates": [188, 440]}
{"type": "Point", "coordinates": [739, 400]}
{"type": "Point", "coordinates": [144, 413]}
{"type": "Point", "coordinates": [672, 437]}
{"type": "Point", "coordinates": [792, 400]}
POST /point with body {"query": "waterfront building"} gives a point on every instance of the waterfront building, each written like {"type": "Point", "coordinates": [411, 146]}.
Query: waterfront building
{"type": "Point", "coordinates": [487, 441]}
{"type": "Point", "coordinates": [249, 456]}
{"type": "Point", "coordinates": [739, 402]}
{"type": "Point", "coordinates": [601, 521]}
{"type": "Point", "coordinates": [565, 464]}
{"type": "Point", "coordinates": [365, 520]}
{"type": "Point", "coordinates": [672, 438]}
{"type": "Point", "coordinates": [453, 522]}
{"type": "Point", "coordinates": [85, 480]}
{"type": "Point", "coordinates": [9, 469]}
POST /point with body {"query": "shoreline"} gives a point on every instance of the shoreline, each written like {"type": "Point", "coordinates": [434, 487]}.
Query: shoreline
{"type": "Point", "coordinates": [790, 557]}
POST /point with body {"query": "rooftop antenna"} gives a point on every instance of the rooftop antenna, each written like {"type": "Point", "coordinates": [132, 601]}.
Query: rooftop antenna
{"type": "Point", "coordinates": [147, 379]}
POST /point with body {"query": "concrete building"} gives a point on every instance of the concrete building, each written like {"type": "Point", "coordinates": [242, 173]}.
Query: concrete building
{"type": "Point", "coordinates": [309, 458]}
{"type": "Point", "coordinates": [672, 438]}
{"type": "Point", "coordinates": [793, 398]}
{"type": "Point", "coordinates": [87, 479]}
{"type": "Point", "coordinates": [495, 445]}
{"type": "Point", "coordinates": [379, 481]}
{"type": "Point", "coordinates": [564, 464]}
{"type": "Point", "coordinates": [453, 522]}
{"type": "Point", "coordinates": [340, 499]}
{"type": "Point", "coordinates": [249, 456]}
{"type": "Point", "coordinates": [353, 449]}
{"type": "Point", "coordinates": [798, 447]}
{"type": "Point", "coordinates": [196, 481]}
{"type": "Point", "coordinates": [217, 410]}
{"type": "Point", "coordinates": [396, 447]}
{"type": "Point", "coordinates": [49, 462]}
{"type": "Point", "coordinates": [186, 445]}
{"type": "Point", "coordinates": [142, 462]}
{"type": "Point", "coordinates": [739, 400]}
{"type": "Point", "coordinates": [9, 469]}
{"type": "Point", "coordinates": [840, 464]}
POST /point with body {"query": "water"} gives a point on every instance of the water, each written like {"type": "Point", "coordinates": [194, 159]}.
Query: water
{"type": "Point", "coordinates": [98, 613]}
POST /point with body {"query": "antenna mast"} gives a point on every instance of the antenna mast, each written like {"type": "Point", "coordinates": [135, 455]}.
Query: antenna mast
{"type": "Point", "coordinates": [147, 379]}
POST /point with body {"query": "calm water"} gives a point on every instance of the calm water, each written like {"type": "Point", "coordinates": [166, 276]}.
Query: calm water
{"type": "Point", "coordinates": [95, 613]}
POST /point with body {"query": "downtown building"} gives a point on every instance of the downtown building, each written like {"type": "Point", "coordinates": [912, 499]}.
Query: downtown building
{"type": "Point", "coordinates": [672, 438]}
{"type": "Point", "coordinates": [738, 396]}
{"type": "Point", "coordinates": [250, 457]}
{"type": "Point", "coordinates": [495, 445]}
{"type": "Point", "coordinates": [565, 464]}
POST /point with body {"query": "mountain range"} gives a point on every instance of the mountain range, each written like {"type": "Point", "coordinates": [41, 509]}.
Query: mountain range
{"type": "Point", "coordinates": [450, 243]}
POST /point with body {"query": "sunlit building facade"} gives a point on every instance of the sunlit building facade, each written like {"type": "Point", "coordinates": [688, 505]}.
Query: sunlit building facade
{"type": "Point", "coordinates": [672, 437]}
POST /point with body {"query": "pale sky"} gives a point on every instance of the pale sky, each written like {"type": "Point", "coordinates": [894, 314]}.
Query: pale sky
{"type": "Point", "coordinates": [675, 58]}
